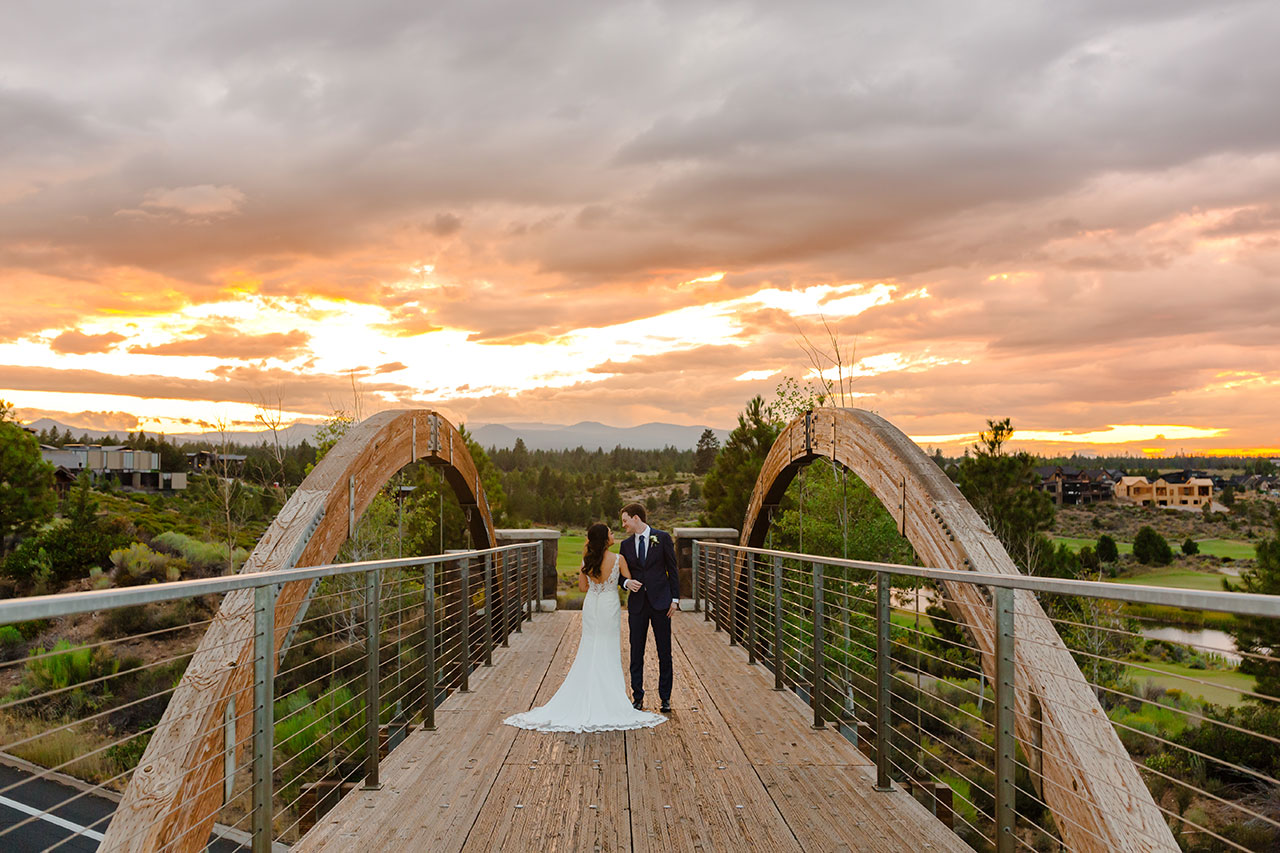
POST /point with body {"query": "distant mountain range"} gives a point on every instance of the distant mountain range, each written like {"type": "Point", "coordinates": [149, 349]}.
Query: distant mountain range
{"type": "Point", "coordinates": [537, 436]}
{"type": "Point", "coordinates": [592, 435]}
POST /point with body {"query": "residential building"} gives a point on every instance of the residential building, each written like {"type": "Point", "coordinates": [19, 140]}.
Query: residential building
{"type": "Point", "coordinates": [230, 464]}
{"type": "Point", "coordinates": [1177, 489]}
{"type": "Point", "coordinates": [1071, 486]}
{"type": "Point", "coordinates": [135, 469]}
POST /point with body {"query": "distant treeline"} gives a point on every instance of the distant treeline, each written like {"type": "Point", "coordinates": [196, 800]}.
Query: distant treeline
{"type": "Point", "coordinates": [1249, 464]}
{"type": "Point", "coordinates": [599, 461]}
{"type": "Point", "coordinates": [1181, 462]}
{"type": "Point", "coordinates": [577, 487]}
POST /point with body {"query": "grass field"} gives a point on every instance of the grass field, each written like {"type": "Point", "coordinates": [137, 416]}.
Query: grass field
{"type": "Point", "coordinates": [1177, 579]}
{"type": "Point", "coordinates": [1221, 687]}
{"type": "Point", "coordinates": [569, 557]}
{"type": "Point", "coordinates": [1232, 549]}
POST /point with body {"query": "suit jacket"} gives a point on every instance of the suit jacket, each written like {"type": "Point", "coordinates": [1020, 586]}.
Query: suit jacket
{"type": "Point", "coordinates": [658, 574]}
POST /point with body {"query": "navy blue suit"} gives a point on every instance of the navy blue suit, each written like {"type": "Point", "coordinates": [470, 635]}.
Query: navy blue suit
{"type": "Point", "coordinates": [650, 606]}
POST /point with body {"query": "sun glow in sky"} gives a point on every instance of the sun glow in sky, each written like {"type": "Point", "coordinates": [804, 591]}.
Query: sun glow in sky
{"type": "Point", "coordinates": [230, 211]}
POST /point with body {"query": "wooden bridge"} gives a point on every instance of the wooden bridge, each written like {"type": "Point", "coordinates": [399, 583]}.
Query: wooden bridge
{"type": "Point", "coordinates": [736, 767]}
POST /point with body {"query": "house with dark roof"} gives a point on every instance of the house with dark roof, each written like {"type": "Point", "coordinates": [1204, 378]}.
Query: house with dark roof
{"type": "Point", "coordinates": [1070, 486]}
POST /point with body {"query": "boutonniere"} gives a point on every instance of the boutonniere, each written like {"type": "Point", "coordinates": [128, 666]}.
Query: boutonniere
{"type": "Point", "coordinates": [653, 540]}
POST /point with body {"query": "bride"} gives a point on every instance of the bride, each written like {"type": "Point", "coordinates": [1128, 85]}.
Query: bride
{"type": "Point", "coordinates": [593, 697]}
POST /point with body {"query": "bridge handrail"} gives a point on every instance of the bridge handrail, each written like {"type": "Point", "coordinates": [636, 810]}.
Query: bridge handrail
{"type": "Point", "coordinates": [444, 618]}
{"type": "Point", "coordinates": [911, 696]}
{"type": "Point", "coordinates": [87, 601]}
{"type": "Point", "coordinates": [1238, 603]}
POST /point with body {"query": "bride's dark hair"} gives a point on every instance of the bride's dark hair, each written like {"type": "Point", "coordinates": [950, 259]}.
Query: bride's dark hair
{"type": "Point", "coordinates": [597, 544]}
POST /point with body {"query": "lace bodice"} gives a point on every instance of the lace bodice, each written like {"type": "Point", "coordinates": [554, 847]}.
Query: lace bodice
{"type": "Point", "coordinates": [610, 582]}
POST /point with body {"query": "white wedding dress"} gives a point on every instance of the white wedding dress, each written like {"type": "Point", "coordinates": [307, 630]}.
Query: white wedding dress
{"type": "Point", "coordinates": [593, 697]}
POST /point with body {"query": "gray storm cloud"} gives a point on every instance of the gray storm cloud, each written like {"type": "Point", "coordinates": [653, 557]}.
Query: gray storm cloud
{"type": "Point", "coordinates": [569, 164]}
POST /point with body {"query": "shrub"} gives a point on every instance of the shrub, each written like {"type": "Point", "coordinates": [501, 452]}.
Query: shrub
{"type": "Point", "coordinates": [1150, 548]}
{"type": "Point", "coordinates": [1107, 551]}
{"type": "Point", "coordinates": [138, 564]}
{"type": "Point", "coordinates": [67, 549]}
{"type": "Point", "coordinates": [1236, 742]}
{"type": "Point", "coordinates": [66, 666]}
{"type": "Point", "coordinates": [11, 642]}
{"type": "Point", "coordinates": [204, 557]}
{"type": "Point", "coordinates": [1190, 547]}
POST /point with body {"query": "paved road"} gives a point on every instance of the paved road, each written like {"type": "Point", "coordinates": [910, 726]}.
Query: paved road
{"type": "Point", "coordinates": [74, 827]}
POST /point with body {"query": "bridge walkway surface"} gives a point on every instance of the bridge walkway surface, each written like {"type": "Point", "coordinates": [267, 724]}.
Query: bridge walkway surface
{"type": "Point", "coordinates": [737, 766]}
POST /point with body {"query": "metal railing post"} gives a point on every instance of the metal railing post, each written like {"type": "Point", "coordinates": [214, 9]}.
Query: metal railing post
{"type": "Point", "coordinates": [488, 609]}
{"type": "Point", "coordinates": [1004, 752]}
{"type": "Point", "coordinates": [778, 682]}
{"type": "Point", "coordinates": [429, 644]}
{"type": "Point", "coordinates": [464, 626]}
{"type": "Point", "coordinates": [751, 608]}
{"type": "Point", "coordinates": [533, 592]}
{"type": "Point", "coordinates": [264, 614]}
{"type": "Point", "coordinates": [716, 585]}
{"type": "Point", "coordinates": [818, 642]}
{"type": "Point", "coordinates": [508, 568]}
{"type": "Point", "coordinates": [372, 697]}
{"type": "Point", "coordinates": [693, 576]}
{"type": "Point", "coordinates": [537, 578]}
{"type": "Point", "coordinates": [517, 596]}
{"type": "Point", "coordinates": [883, 690]}
{"type": "Point", "coordinates": [704, 583]}
{"type": "Point", "coordinates": [731, 563]}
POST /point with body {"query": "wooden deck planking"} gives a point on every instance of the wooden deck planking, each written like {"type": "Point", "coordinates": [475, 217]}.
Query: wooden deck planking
{"type": "Point", "coordinates": [736, 767]}
{"type": "Point", "coordinates": [555, 807]}
{"type": "Point", "coordinates": [435, 783]}
{"type": "Point", "coordinates": [786, 736]}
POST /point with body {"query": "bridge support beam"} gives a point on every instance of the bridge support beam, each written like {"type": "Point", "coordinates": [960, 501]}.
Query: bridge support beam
{"type": "Point", "coordinates": [176, 791]}
{"type": "Point", "coordinates": [1098, 800]}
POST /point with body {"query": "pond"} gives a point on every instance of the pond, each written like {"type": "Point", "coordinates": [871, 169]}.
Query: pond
{"type": "Point", "coordinates": [1200, 639]}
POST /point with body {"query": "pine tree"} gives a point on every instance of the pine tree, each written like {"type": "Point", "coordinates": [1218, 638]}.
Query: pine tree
{"type": "Point", "coordinates": [737, 466]}
{"type": "Point", "coordinates": [1256, 637]}
{"type": "Point", "coordinates": [705, 454]}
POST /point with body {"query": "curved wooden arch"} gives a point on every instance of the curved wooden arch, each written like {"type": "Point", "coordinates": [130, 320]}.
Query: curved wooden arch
{"type": "Point", "coordinates": [175, 793]}
{"type": "Point", "coordinates": [1098, 800]}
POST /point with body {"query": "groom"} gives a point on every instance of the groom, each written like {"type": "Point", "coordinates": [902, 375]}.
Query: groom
{"type": "Point", "coordinates": [655, 591]}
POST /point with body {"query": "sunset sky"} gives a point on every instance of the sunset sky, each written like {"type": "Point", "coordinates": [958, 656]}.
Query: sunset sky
{"type": "Point", "coordinates": [1063, 213]}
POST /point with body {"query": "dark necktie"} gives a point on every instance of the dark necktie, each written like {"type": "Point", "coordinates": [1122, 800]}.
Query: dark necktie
{"type": "Point", "coordinates": [641, 550]}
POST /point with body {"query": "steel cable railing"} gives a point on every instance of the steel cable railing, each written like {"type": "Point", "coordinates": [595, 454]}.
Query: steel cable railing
{"type": "Point", "coordinates": [880, 652]}
{"type": "Point", "coordinates": [372, 652]}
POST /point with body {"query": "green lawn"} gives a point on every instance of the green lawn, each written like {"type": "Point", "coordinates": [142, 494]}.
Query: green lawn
{"type": "Point", "coordinates": [569, 557]}
{"type": "Point", "coordinates": [1232, 549]}
{"type": "Point", "coordinates": [1177, 579]}
{"type": "Point", "coordinates": [1075, 543]}
{"type": "Point", "coordinates": [1221, 689]}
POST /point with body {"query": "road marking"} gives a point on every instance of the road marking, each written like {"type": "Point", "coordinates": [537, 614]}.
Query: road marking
{"type": "Point", "coordinates": [75, 828]}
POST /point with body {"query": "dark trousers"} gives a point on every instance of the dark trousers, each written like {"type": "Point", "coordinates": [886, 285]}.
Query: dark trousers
{"type": "Point", "coordinates": [639, 619]}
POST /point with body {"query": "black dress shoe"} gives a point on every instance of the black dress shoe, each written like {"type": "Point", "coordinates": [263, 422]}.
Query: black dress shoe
{"type": "Point", "coordinates": [638, 704]}
{"type": "Point", "coordinates": [666, 707]}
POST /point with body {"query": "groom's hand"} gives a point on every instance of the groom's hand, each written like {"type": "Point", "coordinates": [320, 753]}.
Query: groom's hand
{"type": "Point", "coordinates": [632, 585]}
{"type": "Point", "coordinates": [671, 611]}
